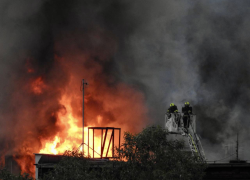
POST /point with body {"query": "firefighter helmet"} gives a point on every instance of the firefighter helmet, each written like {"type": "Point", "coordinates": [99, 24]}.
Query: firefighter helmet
{"type": "Point", "coordinates": [172, 104]}
{"type": "Point", "coordinates": [187, 104]}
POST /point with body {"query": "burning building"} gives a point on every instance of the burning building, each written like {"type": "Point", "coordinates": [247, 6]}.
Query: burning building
{"type": "Point", "coordinates": [43, 103]}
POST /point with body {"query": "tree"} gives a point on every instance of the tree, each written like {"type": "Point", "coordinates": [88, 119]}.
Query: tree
{"type": "Point", "coordinates": [146, 155]}
{"type": "Point", "coordinates": [150, 155]}
{"type": "Point", "coordinates": [6, 175]}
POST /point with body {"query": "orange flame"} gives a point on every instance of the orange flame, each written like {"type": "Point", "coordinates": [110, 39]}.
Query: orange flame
{"type": "Point", "coordinates": [38, 86]}
{"type": "Point", "coordinates": [116, 105]}
{"type": "Point", "coordinates": [60, 143]}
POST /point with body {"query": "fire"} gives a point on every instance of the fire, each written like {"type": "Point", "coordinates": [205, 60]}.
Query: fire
{"type": "Point", "coordinates": [47, 108]}
{"type": "Point", "coordinates": [64, 141]}
{"type": "Point", "coordinates": [25, 162]}
{"type": "Point", "coordinates": [38, 86]}
{"type": "Point", "coordinates": [99, 119]}
{"type": "Point", "coordinates": [50, 148]}
{"type": "Point", "coordinates": [73, 138]}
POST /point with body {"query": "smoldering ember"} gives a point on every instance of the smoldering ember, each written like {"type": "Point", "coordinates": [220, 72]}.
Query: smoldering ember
{"type": "Point", "coordinates": [137, 57]}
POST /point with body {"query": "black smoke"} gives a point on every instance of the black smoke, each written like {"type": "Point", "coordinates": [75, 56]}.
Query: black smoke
{"type": "Point", "coordinates": [196, 52]}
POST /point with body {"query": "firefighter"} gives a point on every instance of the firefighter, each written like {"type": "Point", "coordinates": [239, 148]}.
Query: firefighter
{"type": "Point", "coordinates": [172, 109]}
{"type": "Point", "coordinates": [186, 110]}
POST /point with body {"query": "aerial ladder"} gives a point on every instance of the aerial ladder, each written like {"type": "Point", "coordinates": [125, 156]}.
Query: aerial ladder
{"type": "Point", "coordinates": [174, 124]}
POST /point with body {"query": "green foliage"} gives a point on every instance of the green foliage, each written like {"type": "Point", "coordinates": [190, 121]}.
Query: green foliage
{"type": "Point", "coordinates": [6, 175]}
{"type": "Point", "coordinates": [149, 155]}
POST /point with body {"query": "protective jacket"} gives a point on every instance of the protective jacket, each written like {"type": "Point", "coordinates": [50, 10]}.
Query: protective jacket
{"type": "Point", "coordinates": [172, 109]}
{"type": "Point", "coordinates": [187, 110]}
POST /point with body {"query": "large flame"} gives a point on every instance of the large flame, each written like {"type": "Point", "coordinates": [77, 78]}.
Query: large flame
{"type": "Point", "coordinates": [73, 136]}
{"type": "Point", "coordinates": [48, 103]}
